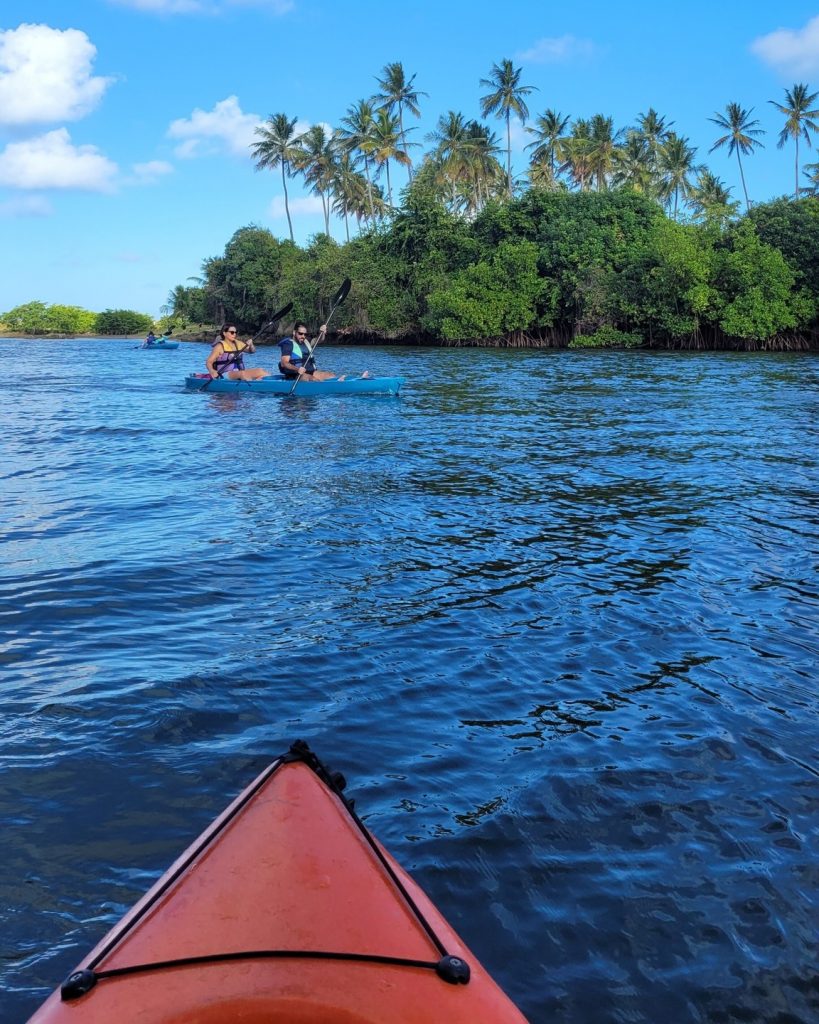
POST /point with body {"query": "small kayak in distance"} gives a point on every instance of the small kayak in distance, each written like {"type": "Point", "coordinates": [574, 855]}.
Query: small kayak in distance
{"type": "Point", "coordinates": [277, 385]}
{"type": "Point", "coordinates": [159, 345]}
{"type": "Point", "coordinates": [286, 910]}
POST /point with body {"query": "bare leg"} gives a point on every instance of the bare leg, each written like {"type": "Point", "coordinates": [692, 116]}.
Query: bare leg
{"type": "Point", "coordinates": [256, 373]}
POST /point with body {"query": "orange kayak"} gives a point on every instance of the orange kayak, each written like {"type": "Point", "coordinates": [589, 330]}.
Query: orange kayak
{"type": "Point", "coordinates": [284, 911]}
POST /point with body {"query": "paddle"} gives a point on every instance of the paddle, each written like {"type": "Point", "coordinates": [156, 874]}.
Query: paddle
{"type": "Point", "coordinates": [338, 298]}
{"type": "Point", "coordinates": [273, 320]}
{"type": "Point", "coordinates": [270, 323]}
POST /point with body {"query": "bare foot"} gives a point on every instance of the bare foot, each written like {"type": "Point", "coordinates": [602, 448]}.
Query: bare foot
{"type": "Point", "coordinates": [366, 374]}
{"type": "Point", "coordinates": [343, 377]}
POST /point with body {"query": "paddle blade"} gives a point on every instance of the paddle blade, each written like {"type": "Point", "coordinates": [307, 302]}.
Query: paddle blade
{"type": "Point", "coordinates": [339, 297]}
{"type": "Point", "coordinates": [282, 312]}
{"type": "Point", "coordinates": [342, 293]}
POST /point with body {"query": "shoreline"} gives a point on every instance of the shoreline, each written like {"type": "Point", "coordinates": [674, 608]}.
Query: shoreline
{"type": "Point", "coordinates": [784, 344]}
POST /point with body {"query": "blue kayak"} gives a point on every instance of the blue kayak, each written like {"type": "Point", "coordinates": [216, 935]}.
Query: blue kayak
{"type": "Point", "coordinates": [159, 344]}
{"type": "Point", "coordinates": [277, 385]}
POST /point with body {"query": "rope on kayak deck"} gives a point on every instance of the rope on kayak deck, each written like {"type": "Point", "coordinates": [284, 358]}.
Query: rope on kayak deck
{"type": "Point", "coordinates": [452, 969]}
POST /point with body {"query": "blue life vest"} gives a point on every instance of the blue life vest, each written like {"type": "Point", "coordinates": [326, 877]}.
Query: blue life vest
{"type": "Point", "coordinates": [298, 356]}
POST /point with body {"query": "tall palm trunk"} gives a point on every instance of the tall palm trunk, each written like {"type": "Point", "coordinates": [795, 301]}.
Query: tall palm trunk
{"type": "Point", "coordinates": [796, 176]}
{"type": "Point", "coordinates": [389, 186]}
{"type": "Point", "coordinates": [403, 137]}
{"type": "Point", "coordinates": [742, 177]}
{"type": "Point", "coordinates": [325, 206]}
{"type": "Point", "coordinates": [287, 204]}
{"type": "Point", "coordinates": [509, 153]}
{"type": "Point", "coordinates": [369, 188]}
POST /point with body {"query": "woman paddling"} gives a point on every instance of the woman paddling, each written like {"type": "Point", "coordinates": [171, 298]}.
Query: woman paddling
{"type": "Point", "coordinates": [226, 358]}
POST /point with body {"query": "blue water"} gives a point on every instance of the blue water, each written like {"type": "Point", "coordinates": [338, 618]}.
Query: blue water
{"type": "Point", "coordinates": [553, 614]}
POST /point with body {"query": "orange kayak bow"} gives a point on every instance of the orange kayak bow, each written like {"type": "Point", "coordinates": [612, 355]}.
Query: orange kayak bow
{"type": "Point", "coordinates": [284, 911]}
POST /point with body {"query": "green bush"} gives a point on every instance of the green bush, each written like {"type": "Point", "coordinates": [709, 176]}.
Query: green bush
{"type": "Point", "coordinates": [607, 337]}
{"type": "Point", "coordinates": [39, 318]}
{"type": "Point", "coordinates": [122, 321]}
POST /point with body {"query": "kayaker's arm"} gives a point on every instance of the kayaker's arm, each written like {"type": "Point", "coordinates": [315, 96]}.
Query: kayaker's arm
{"type": "Point", "coordinates": [214, 352]}
{"type": "Point", "coordinates": [288, 366]}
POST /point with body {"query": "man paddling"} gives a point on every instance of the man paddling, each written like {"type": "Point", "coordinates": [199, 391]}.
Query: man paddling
{"type": "Point", "coordinates": [297, 355]}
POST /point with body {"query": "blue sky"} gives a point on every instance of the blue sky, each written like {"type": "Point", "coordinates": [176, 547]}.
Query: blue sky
{"type": "Point", "coordinates": [124, 124]}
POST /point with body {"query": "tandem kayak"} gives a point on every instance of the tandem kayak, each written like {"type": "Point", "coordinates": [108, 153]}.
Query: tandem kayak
{"type": "Point", "coordinates": [286, 910]}
{"type": "Point", "coordinates": [157, 345]}
{"type": "Point", "coordinates": [277, 385]}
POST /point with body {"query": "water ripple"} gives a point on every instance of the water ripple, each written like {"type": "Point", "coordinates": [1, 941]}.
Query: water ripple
{"type": "Point", "coordinates": [553, 614]}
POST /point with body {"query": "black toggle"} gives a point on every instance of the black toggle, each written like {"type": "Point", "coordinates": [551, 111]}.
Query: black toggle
{"type": "Point", "coordinates": [453, 969]}
{"type": "Point", "coordinates": [77, 984]}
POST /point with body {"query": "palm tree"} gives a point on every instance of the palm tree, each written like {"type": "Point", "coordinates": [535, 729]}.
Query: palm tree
{"type": "Point", "coordinates": [480, 147]}
{"type": "Point", "coordinates": [633, 165]}
{"type": "Point", "coordinates": [811, 172]}
{"type": "Point", "coordinates": [449, 155]}
{"type": "Point", "coordinates": [349, 190]}
{"type": "Point", "coordinates": [800, 121]}
{"type": "Point", "coordinates": [398, 93]}
{"type": "Point", "coordinates": [386, 144]}
{"type": "Point", "coordinates": [740, 135]}
{"type": "Point", "coordinates": [575, 153]}
{"type": "Point", "coordinates": [675, 163]}
{"type": "Point", "coordinates": [710, 199]}
{"type": "Point", "coordinates": [277, 147]}
{"type": "Point", "coordinates": [507, 97]}
{"type": "Point", "coordinates": [316, 161]}
{"type": "Point", "coordinates": [548, 131]}
{"type": "Point", "coordinates": [603, 140]}
{"type": "Point", "coordinates": [653, 130]}
{"type": "Point", "coordinates": [357, 133]}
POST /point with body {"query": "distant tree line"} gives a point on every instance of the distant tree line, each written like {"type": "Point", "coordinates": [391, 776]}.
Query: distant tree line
{"type": "Point", "coordinates": [38, 318]}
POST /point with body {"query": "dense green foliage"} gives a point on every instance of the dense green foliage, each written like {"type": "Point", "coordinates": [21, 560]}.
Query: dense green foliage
{"type": "Point", "coordinates": [122, 321]}
{"type": "Point", "coordinates": [39, 318]}
{"type": "Point", "coordinates": [549, 267]}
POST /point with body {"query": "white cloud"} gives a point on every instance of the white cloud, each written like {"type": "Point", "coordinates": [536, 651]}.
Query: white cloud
{"type": "Point", "coordinates": [558, 50]}
{"type": "Point", "coordinates": [26, 206]}
{"type": "Point", "coordinates": [793, 50]}
{"type": "Point", "coordinates": [52, 161]}
{"type": "Point", "coordinates": [151, 172]}
{"type": "Point", "coordinates": [210, 131]}
{"type": "Point", "coordinates": [203, 6]}
{"type": "Point", "coordinates": [45, 75]}
{"type": "Point", "coordinates": [301, 204]}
